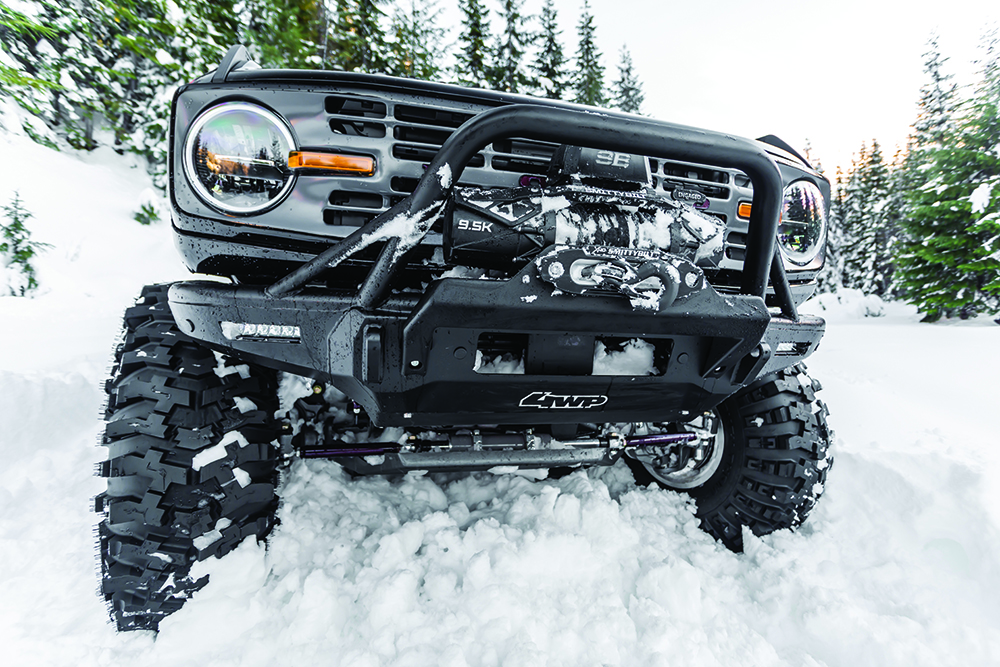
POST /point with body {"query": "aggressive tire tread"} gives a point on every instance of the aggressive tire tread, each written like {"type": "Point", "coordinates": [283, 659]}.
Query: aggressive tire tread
{"type": "Point", "coordinates": [167, 403]}
{"type": "Point", "coordinates": [776, 458]}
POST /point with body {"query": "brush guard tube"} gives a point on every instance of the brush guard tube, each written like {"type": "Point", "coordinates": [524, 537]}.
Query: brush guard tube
{"type": "Point", "coordinates": [403, 226]}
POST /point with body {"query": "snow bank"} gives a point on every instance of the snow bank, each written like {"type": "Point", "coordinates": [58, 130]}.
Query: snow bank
{"type": "Point", "coordinates": [851, 304]}
{"type": "Point", "coordinates": [897, 566]}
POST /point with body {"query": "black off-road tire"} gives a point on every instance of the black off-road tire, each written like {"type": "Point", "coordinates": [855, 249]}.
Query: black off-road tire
{"type": "Point", "coordinates": [774, 463]}
{"type": "Point", "coordinates": [191, 467]}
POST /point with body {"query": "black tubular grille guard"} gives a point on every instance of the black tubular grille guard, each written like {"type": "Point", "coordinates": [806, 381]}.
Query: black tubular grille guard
{"type": "Point", "coordinates": [579, 128]}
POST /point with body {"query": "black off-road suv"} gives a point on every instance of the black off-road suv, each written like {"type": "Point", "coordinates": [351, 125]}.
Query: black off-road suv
{"type": "Point", "coordinates": [471, 281]}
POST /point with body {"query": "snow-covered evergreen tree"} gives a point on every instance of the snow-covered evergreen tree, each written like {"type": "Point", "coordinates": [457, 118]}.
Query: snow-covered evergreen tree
{"type": "Point", "coordinates": [17, 273]}
{"type": "Point", "coordinates": [416, 48]}
{"type": "Point", "coordinates": [936, 107]}
{"type": "Point", "coordinates": [950, 257]}
{"type": "Point", "coordinates": [508, 72]}
{"type": "Point", "coordinates": [358, 41]}
{"type": "Point", "coordinates": [588, 81]}
{"type": "Point", "coordinates": [628, 95]}
{"type": "Point", "coordinates": [70, 53]}
{"type": "Point", "coordinates": [550, 62]}
{"type": "Point", "coordinates": [867, 227]}
{"type": "Point", "coordinates": [15, 28]}
{"type": "Point", "coordinates": [812, 159]}
{"type": "Point", "coordinates": [285, 33]}
{"type": "Point", "coordinates": [473, 54]}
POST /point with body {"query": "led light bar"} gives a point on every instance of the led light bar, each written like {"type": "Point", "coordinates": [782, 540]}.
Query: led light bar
{"type": "Point", "coordinates": [247, 331]}
{"type": "Point", "coordinates": [344, 164]}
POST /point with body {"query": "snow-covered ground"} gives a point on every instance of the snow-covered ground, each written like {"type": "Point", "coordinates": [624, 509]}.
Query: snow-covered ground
{"type": "Point", "coordinates": [898, 565]}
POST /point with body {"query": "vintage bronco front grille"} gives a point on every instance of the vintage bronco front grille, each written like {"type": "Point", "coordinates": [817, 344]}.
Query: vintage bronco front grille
{"type": "Point", "coordinates": [412, 134]}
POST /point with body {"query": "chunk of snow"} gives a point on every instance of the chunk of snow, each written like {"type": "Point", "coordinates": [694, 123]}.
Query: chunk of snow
{"type": "Point", "coordinates": [980, 197]}
{"type": "Point", "coordinates": [444, 176]}
{"type": "Point", "coordinates": [499, 365]}
{"type": "Point", "coordinates": [234, 436]}
{"type": "Point", "coordinates": [218, 452]}
{"type": "Point", "coordinates": [635, 358]}
{"type": "Point", "coordinates": [210, 455]}
{"type": "Point", "coordinates": [222, 370]}
{"type": "Point", "coordinates": [242, 477]}
{"type": "Point", "coordinates": [206, 540]}
{"type": "Point", "coordinates": [163, 57]}
{"type": "Point", "coordinates": [244, 405]}
{"type": "Point", "coordinates": [550, 204]}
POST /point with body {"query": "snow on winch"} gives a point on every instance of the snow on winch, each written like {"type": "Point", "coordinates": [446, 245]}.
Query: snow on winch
{"type": "Point", "coordinates": [595, 236]}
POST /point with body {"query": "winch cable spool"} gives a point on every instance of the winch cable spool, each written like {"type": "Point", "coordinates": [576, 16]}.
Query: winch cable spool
{"type": "Point", "coordinates": [628, 284]}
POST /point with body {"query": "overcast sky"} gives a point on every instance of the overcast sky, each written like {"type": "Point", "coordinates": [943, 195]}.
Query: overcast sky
{"type": "Point", "coordinates": [835, 73]}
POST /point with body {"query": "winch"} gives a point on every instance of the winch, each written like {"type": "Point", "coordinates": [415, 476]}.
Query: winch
{"type": "Point", "coordinates": [586, 201]}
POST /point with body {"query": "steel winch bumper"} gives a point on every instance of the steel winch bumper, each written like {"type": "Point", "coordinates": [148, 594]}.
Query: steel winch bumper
{"type": "Point", "coordinates": [413, 361]}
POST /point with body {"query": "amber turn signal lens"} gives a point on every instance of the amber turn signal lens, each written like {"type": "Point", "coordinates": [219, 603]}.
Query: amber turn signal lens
{"type": "Point", "coordinates": [744, 210]}
{"type": "Point", "coordinates": [343, 164]}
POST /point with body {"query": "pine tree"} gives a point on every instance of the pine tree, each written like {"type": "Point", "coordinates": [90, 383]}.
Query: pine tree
{"type": "Point", "coordinates": [17, 249]}
{"type": "Point", "coordinates": [509, 73]}
{"type": "Point", "coordinates": [358, 42]}
{"type": "Point", "coordinates": [550, 61]}
{"type": "Point", "coordinates": [416, 40]}
{"type": "Point", "coordinates": [473, 55]}
{"type": "Point", "coordinates": [628, 94]}
{"type": "Point", "coordinates": [936, 107]}
{"type": "Point", "coordinates": [588, 83]}
{"type": "Point", "coordinates": [15, 26]}
{"type": "Point", "coordinates": [868, 233]}
{"type": "Point", "coordinates": [65, 52]}
{"type": "Point", "coordinates": [813, 161]}
{"type": "Point", "coordinates": [950, 259]}
{"type": "Point", "coordinates": [286, 33]}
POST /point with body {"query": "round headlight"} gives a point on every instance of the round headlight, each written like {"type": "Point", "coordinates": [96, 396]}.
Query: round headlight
{"type": "Point", "coordinates": [236, 157]}
{"type": "Point", "coordinates": [803, 223]}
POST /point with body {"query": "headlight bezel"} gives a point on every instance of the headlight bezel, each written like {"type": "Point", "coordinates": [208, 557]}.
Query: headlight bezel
{"type": "Point", "coordinates": [814, 205]}
{"type": "Point", "coordinates": [213, 113]}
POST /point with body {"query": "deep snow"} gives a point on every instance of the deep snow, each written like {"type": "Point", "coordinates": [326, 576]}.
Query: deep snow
{"type": "Point", "coordinates": [898, 564]}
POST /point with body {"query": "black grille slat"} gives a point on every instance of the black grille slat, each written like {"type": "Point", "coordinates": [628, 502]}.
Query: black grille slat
{"type": "Point", "coordinates": [501, 163]}
{"type": "Point", "coordinates": [403, 184]}
{"type": "Point", "coordinates": [420, 135]}
{"type": "Point", "coordinates": [429, 116]}
{"type": "Point", "coordinates": [346, 218]}
{"type": "Point", "coordinates": [357, 128]}
{"type": "Point", "coordinates": [350, 199]}
{"type": "Point", "coordinates": [424, 154]}
{"type": "Point", "coordinates": [352, 106]}
{"type": "Point", "coordinates": [525, 148]}
{"type": "Point", "coordinates": [413, 153]}
{"type": "Point", "coordinates": [694, 172]}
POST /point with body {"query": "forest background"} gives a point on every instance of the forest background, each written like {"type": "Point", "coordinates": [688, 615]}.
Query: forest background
{"type": "Point", "coordinates": [921, 225]}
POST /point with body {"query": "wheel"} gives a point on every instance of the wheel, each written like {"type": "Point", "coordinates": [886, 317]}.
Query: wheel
{"type": "Point", "coordinates": [191, 468]}
{"type": "Point", "coordinates": [763, 462]}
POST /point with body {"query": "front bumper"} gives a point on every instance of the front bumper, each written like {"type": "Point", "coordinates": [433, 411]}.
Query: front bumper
{"type": "Point", "coordinates": [412, 361]}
